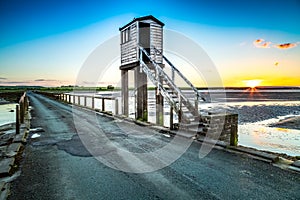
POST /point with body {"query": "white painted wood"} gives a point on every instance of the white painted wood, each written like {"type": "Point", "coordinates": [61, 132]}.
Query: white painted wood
{"type": "Point", "coordinates": [130, 49]}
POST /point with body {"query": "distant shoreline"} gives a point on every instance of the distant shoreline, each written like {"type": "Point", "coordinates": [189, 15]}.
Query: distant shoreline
{"type": "Point", "coordinates": [4, 88]}
{"type": "Point", "coordinates": [3, 101]}
{"type": "Point", "coordinates": [256, 88]}
{"type": "Point", "coordinates": [7, 97]}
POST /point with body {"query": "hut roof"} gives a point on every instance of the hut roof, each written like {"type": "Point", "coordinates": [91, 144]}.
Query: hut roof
{"type": "Point", "coordinates": [142, 19]}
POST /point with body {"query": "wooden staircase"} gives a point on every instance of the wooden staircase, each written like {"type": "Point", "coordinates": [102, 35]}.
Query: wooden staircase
{"type": "Point", "coordinates": [186, 109]}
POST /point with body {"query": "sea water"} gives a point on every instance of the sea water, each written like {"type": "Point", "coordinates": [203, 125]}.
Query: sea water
{"type": "Point", "coordinates": [254, 126]}
{"type": "Point", "coordinates": [261, 109]}
{"type": "Point", "coordinates": [7, 113]}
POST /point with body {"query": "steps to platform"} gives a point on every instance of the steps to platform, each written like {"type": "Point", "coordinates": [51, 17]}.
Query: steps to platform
{"type": "Point", "coordinates": [186, 111]}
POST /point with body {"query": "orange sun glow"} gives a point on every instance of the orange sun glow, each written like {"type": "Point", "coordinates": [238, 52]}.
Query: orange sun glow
{"type": "Point", "coordinates": [253, 83]}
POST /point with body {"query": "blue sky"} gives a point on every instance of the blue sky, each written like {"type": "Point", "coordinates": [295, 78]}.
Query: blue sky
{"type": "Point", "coordinates": [46, 42]}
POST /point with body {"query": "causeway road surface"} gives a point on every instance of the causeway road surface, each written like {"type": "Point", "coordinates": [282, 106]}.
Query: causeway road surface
{"type": "Point", "coordinates": [57, 164]}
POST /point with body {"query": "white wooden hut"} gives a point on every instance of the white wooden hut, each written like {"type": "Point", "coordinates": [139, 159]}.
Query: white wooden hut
{"type": "Point", "coordinates": [146, 32]}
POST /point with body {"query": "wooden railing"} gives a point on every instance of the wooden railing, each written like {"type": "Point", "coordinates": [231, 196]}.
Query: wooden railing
{"type": "Point", "coordinates": [82, 100]}
{"type": "Point", "coordinates": [21, 110]}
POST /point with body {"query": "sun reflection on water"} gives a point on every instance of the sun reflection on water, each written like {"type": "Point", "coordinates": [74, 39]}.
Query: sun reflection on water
{"type": "Point", "coordinates": [274, 139]}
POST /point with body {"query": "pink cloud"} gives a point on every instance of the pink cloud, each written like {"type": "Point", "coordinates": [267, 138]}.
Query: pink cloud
{"type": "Point", "coordinates": [261, 43]}
{"type": "Point", "coordinates": [286, 45]}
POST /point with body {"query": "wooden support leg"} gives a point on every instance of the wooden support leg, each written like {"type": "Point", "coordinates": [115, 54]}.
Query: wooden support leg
{"type": "Point", "coordinates": [93, 102]}
{"type": "Point", "coordinates": [141, 96]}
{"type": "Point", "coordinates": [159, 108]}
{"type": "Point", "coordinates": [171, 118]}
{"type": "Point", "coordinates": [116, 106]}
{"type": "Point", "coordinates": [103, 104]}
{"type": "Point", "coordinates": [124, 81]}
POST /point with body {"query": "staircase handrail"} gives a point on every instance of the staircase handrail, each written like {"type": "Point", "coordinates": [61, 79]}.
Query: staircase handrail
{"type": "Point", "coordinates": [198, 94]}
{"type": "Point", "coordinates": [162, 89]}
{"type": "Point", "coordinates": [161, 71]}
{"type": "Point", "coordinates": [181, 96]}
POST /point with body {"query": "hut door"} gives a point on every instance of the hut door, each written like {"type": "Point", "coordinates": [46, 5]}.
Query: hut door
{"type": "Point", "coordinates": [144, 36]}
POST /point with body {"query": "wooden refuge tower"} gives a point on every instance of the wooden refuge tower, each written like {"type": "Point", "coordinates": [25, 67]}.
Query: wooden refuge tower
{"type": "Point", "coordinates": [142, 52]}
{"type": "Point", "coordinates": [141, 34]}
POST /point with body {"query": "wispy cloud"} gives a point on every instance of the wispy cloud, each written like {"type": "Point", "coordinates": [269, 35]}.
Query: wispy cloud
{"type": "Point", "coordinates": [258, 41]}
{"type": "Point", "coordinates": [243, 44]}
{"type": "Point", "coordinates": [106, 83]}
{"type": "Point", "coordinates": [37, 82]}
{"type": "Point", "coordinates": [44, 80]}
{"type": "Point", "coordinates": [286, 45]}
{"type": "Point", "coordinates": [99, 83]}
{"type": "Point", "coordinates": [1, 78]}
{"type": "Point", "coordinates": [14, 82]}
{"type": "Point", "coordinates": [88, 83]}
{"type": "Point", "coordinates": [261, 43]}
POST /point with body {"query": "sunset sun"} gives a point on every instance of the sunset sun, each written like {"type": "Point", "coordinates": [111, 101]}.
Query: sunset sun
{"type": "Point", "coordinates": [253, 83]}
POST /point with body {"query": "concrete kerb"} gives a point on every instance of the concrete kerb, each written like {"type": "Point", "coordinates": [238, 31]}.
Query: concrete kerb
{"type": "Point", "coordinates": [11, 158]}
{"type": "Point", "coordinates": [4, 190]}
{"type": "Point", "coordinates": [267, 157]}
{"type": "Point", "coordinates": [6, 167]}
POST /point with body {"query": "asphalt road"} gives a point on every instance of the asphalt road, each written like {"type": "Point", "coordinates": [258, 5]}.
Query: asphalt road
{"type": "Point", "coordinates": [58, 166]}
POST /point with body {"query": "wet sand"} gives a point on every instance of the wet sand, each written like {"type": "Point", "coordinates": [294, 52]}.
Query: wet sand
{"type": "Point", "coordinates": [289, 123]}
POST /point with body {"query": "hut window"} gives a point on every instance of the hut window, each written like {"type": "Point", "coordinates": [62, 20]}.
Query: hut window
{"type": "Point", "coordinates": [125, 35]}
